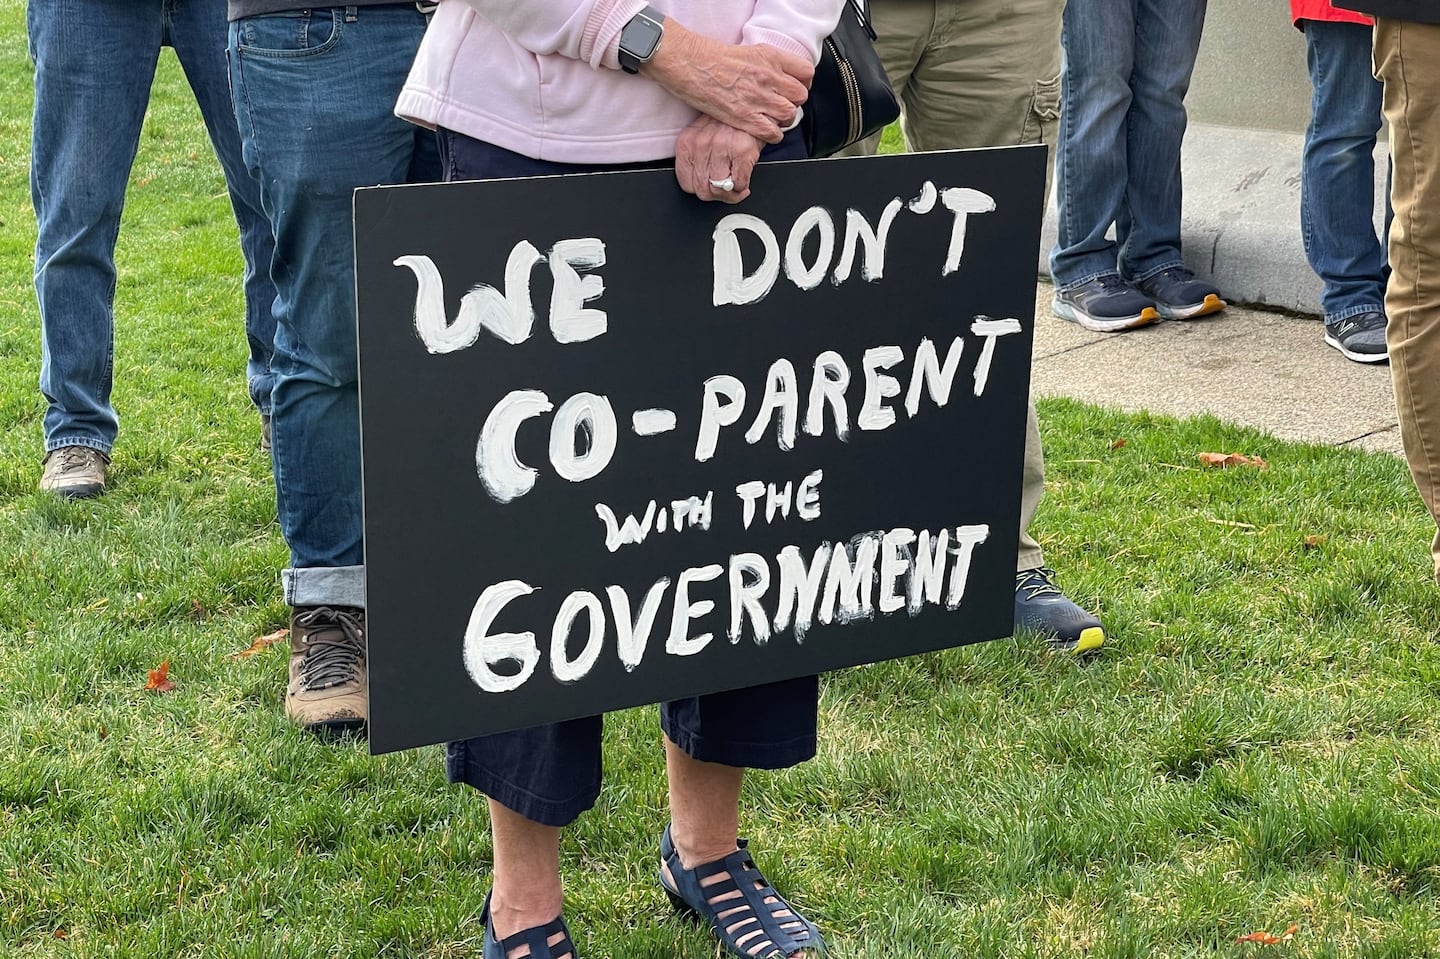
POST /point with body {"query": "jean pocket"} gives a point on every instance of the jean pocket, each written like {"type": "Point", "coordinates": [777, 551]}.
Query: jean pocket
{"type": "Point", "coordinates": [301, 33]}
{"type": "Point", "coordinates": [1044, 112]}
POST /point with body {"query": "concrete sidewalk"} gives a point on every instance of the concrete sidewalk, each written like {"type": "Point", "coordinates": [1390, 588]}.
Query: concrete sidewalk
{"type": "Point", "coordinates": [1267, 370]}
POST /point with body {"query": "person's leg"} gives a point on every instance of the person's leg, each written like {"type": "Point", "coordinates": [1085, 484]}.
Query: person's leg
{"type": "Point", "coordinates": [527, 856]}
{"type": "Point", "coordinates": [1041, 606]}
{"type": "Point", "coordinates": [197, 30]}
{"type": "Point", "coordinates": [1167, 38]}
{"type": "Point", "coordinates": [963, 99]}
{"type": "Point", "coordinates": [314, 96]}
{"type": "Point", "coordinates": [1407, 59]}
{"type": "Point", "coordinates": [94, 63]}
{"type": "Point", "coordinates": [709, 742]}
{"type": "Point", "coordinates": [768, 727]}
{"type": "Point", "coordinates": [989, 76]}
{"type": "Point", "coordinates": [1092, 158]}
{"type": "Point", "coordinates": [1092, 166]}
{"type": "Point", "coordinates": [973, 76]}
{"type": "Point", "coordinates": [969, 74]}
{"type": "Point", "coordinates": [704, 806]}
{"type": "Point", "coordinates": [1337, 187]}
{"type": "Point", "coordinates": [1032, 488]}
{"type": "Point", "coordinates": [537, 781]}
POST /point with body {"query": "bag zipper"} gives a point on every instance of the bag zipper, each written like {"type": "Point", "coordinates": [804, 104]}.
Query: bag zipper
{"type": "Point", "coordinates": [851, 83]}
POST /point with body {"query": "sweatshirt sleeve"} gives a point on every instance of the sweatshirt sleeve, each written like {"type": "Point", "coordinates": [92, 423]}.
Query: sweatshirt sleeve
{"type": "Point", "coordinates": [585, 30]}
{"type": "Point", "coordinates": [796, 26]}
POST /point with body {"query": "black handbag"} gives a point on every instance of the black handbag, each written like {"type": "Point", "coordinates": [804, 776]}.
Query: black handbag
{"type": "Point", "coordinates": [850, 96]}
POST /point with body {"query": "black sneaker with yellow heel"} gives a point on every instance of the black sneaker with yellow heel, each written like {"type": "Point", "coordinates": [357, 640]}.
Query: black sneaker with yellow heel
{"type": "Point", "coordinates": [1040, 607]}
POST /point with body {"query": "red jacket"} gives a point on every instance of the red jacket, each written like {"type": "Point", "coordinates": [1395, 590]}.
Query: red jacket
{"type": "Point", "coordinates": [1322, 10]}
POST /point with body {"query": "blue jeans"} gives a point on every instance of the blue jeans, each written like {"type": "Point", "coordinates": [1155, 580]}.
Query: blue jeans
{"type": "Point", "coordinates": [94, 64]}
{"type": "Point", "coordinates": [314, 96]}
{"type": "Point", "coordinates": [1127, 68]}
{"type": "Point", "coordinates": [1337, 178]}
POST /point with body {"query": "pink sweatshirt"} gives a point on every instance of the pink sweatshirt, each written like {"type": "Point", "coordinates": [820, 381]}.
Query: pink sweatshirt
{"type": "Point", "coordinates": [543, 78]}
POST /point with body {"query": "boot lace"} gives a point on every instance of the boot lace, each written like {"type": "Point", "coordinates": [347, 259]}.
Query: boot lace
{"type": "Point", "coordinates": [334, 647]}
{"type": "Point", "coordinates": [69, 458]}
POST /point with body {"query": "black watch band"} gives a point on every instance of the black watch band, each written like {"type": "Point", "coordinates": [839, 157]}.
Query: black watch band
{"type": "Point", "coordinates": [640, 38]}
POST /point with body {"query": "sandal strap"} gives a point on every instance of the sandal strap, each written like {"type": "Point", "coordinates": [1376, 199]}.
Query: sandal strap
{"type": "Point", "coordinates": [752, 930]}
{"type": "Point", "coordinates": [537, 938]}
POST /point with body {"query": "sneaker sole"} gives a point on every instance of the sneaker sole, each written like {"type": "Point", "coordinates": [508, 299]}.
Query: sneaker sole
{"type": "Point", "coordinates": [1191, 311]}
{"type": "Point", "coordinates": [1357, 357]}
{"type": "Point", "coordinates": [1097, 324]}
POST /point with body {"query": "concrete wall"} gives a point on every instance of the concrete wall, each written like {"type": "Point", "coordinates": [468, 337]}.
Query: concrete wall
{"type": "Point", "coordinates": [1251, 69]}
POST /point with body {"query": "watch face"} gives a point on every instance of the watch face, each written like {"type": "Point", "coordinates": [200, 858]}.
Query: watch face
{"type": "Point", "coordinates": [640, 37]}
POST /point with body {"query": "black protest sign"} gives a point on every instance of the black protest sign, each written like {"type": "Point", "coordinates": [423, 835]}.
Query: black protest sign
{"type": "Point", "coordinates": [623, 446]}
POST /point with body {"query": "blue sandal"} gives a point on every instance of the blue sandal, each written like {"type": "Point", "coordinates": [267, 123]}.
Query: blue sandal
{"type": "Point", "coordinates": [743, 910]}
{"type": "Point", "coordinates": [537, 938]}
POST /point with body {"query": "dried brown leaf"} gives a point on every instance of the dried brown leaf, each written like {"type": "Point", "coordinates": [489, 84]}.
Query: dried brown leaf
{"type": "Point", "coordinates": [159, 681]}
{"type": "Point", "coordinates": [1263, 938]}
{"type": "Point", "coordinates": [1119, 444]}
{"type": "Point", "coordinates": [1225, 460]}
{"type": "Point", "coordinates": [261, 644]}
{"type": "Point", "coordinates": [1269, 938]}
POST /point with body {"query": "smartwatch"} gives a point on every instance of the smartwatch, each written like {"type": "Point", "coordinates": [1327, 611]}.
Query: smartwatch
{"type": "Point", "coordinates": [640, 38]}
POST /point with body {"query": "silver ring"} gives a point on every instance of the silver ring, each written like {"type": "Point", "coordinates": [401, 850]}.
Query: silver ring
{"type": "Point", "coordinates": [727, 184]}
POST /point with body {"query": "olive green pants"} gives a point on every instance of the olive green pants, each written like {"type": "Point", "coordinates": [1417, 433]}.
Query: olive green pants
{"type": "Point", "coordinates": [977, 73]}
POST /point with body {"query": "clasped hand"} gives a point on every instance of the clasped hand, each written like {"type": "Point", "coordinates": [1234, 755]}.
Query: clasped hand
{"type": "Point", "coordinates": [747, 96]}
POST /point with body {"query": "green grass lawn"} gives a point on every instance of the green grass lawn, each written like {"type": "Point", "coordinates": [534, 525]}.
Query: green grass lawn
{"type": "Point", "coordinates": [1256, 748]}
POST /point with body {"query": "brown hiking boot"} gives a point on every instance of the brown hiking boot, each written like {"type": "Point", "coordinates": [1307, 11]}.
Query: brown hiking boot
{"type": "Point", "coordinates": [327, 691]}
{"type": "Point", "coordinates": [74, 472]}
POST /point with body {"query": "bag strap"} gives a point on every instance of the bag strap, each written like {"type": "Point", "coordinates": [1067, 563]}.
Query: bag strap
{"type": "Point", "coordinates": [864, 17]}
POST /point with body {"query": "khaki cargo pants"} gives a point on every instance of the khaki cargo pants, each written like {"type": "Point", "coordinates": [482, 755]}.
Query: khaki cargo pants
{"type": "Point", "coordinates": [1407, 58]}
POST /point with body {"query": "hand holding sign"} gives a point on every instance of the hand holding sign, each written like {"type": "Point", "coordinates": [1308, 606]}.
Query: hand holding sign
{"type": "Point", "coordinates": [713, 161]}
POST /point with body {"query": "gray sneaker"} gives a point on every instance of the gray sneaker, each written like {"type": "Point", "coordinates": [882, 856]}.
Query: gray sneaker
{"type": "Point", "coordinates": [74, 472]}
{"type": "Point", "coordinates": [1360, 338]}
